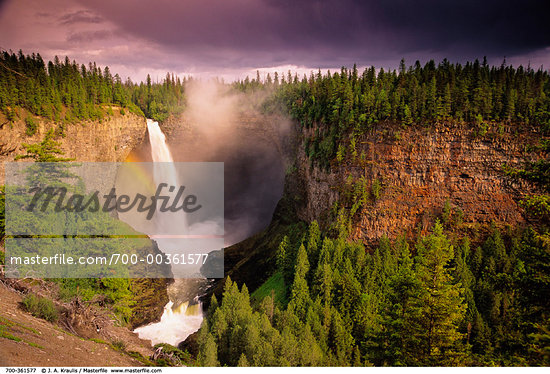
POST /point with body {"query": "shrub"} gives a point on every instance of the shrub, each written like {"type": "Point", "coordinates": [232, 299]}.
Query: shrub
{"type": "Point", "coordinates": [32, 126]}
{"type": "Point", "coordinates": [119, 345]}
{"type": "Point", "coordinates": [40, 307]}
{"type": "Point", "coordinates": [447, 212]}
{"type": "Point", "coordinates": [537, 205]}
{"type": "Point", "coordinates": [11, 114]}
{"type": "Point", "coordinates": [171, 356]}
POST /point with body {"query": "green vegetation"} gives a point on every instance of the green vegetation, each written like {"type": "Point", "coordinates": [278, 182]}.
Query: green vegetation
{"type": "Point", "coordinates": [172, 356]}
{"type": "Point", "coordinates": [445, 298]}
{"type": "Point", "coordinates": [10, 323]}
{"type": "Point", "coordinates": [35, 345]}
{"type": "Point", "coordinates": [119, 345]}
{"type": "Point", "coordinates": [159, 100]}
{"type": "Point", "coordinates": [376, 188]}
{"type": "Point", "coordinates": [7, 335]}
{"type": "Point", "coordinates": [32, 126]}
{"type": "Point", "coordinates": [440, 302]}
{"type": "Point", "coordinates": [60, 90]}
{"type": "Point", "coordinates": [273, 287]}
{"type": "Point", "coordinates": [138, 356]}
{"type": "Point", "coordinates": [538, 173]}
{"type": "Point", "coordinates": [99, 341]}
{"type": "Point", "coordinates": [538, 206]}
{"type": "Point", "coordinates": [63, 91]}
{"type": "Point", "coordinates": [46, 151]}
{"type": "Point", "coordinates": [40, 307]}
{"type": "Point", "coordinates": [115, 293]}
{"type": "Point", "coordinates": [336, 104]}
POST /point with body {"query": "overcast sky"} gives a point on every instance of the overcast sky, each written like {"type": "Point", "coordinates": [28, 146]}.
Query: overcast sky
{"type": "Point", "coordinates": [233, 38]}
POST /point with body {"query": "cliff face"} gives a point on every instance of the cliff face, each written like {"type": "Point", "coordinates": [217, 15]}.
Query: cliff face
{"type": "Point", "coordinates": [419, 170]}
{"type": "Point", "coordinates": [109, 140]}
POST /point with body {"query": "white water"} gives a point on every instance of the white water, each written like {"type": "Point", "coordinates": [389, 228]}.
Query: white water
{"type": "Point", "coordinates": [175, 325]}
{"type": "Point", "coordinates": [159, 149]}
{"type": "Point", "coordinates": [164, 172]}
{"type": "Point", "coordinates": [180, 321]}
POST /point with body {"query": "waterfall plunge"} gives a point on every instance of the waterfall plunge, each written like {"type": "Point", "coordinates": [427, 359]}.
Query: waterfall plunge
{"type": "Point", "coordinates": [159, 149]}
{"type": "Point", "coordinates": [177, 322]}
{"type": "Point", "coordinates": [175, 325]}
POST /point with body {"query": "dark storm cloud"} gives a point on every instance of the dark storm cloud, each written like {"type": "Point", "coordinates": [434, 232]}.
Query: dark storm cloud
{"type": "Point", "coordinates": [494, 27]}
{"type": "Point", "coordinates": [80, 17]}
{"type": "Point", "coordinates": [89, 36]}
{"type": "Point", "coordinates": [333, 32]}
{"type": "Point", "coordinates": [43, 14]}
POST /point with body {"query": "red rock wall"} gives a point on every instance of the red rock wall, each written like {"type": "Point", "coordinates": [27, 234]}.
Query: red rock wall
{"type": "Point", "coordinates": [420, 169]}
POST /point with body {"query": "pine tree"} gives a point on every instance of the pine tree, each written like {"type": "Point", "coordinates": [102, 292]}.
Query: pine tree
{"type": "Point", "coordinates": [401, 312]}
{"type": "Point", "coordinates": [313, 242]}
{"type": "Point", "coordinates": [243, 361]}
{"type": "Point", "coordinates": [282, 256]}
{"type": "Point", "coordinates": [208, 354]}
{"type": "Point", "coordinates": [442, 306]}
{"type": "Point", "coordinates": [300, 291]}
{"type": "Point", "coordinates": [46, 151]}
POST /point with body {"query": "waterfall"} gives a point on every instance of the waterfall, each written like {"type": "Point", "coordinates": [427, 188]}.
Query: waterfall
{"type": "Point", "coordinates": [176, 324]}
{"type": "Point", "coordinates": [164, 171]}
{"type": "Point", "coordinates": [177, 321]}
{"type": "Point", "coordinates": [159, 149]}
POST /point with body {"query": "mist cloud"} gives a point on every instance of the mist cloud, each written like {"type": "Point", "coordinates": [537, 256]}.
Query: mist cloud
{"type": "Point", "coordinates": [225, 125]}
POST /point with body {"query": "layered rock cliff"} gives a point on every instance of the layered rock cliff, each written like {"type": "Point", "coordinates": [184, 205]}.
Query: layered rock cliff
{"type": "Point", "coordinates": [419, 169]}
{"type": "Point", "coordinates": [109, 140]}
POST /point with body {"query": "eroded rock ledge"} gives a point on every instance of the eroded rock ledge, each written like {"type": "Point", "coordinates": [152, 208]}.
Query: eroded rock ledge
{"type": "Point", "coordinates": [420, 168]}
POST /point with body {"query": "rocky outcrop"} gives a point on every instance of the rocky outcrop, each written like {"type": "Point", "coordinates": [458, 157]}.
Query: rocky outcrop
{"type": "Point", "coordinates": [109, 140]}
{"type": "Point", "coordinates": [421, 168]}
{"type": "Point", "coordinates": [149, 296]}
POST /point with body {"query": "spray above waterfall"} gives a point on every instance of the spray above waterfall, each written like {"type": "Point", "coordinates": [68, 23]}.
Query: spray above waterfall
{"type": "Point", "coordinates": [219, 126]}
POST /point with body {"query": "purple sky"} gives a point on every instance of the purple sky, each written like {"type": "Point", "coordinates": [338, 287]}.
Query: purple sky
{"type": "Point", "coordinates": [233, 38]}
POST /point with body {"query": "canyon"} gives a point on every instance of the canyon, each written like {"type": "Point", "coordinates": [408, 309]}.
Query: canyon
{"type": "Point", "coordinates": [420, 169]}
